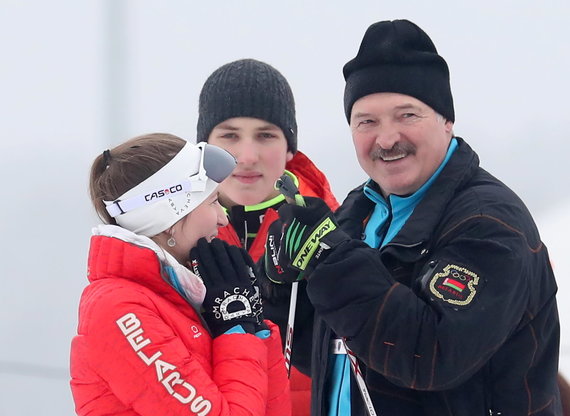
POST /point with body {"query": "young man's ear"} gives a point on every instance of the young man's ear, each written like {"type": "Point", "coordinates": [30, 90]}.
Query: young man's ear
{"type": "Point", "coordinates": [289, 156]}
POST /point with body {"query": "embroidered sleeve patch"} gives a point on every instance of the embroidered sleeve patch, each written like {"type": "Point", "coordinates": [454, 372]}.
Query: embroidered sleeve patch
{"type": "Point", "coordinates": [455, 285]}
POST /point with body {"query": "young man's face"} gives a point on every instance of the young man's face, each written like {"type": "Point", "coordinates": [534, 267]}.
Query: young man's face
{"type": "Point", "coordinates": [260, 149]}
{"type": "Point", "coordinates": [400, 141]}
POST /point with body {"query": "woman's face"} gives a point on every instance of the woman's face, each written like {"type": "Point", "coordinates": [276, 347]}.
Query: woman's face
{"type": "Point", "coordinates": [203, 221]}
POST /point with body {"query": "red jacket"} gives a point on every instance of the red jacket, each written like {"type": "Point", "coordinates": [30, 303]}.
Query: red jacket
{"type": "Point", "coordinates": [312, 182]}
{"type": "Point", "coordinates": [141, 349]}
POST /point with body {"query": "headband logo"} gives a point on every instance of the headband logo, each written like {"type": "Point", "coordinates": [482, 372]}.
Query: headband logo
{"type": "Point", "coordinates": [163, 192]}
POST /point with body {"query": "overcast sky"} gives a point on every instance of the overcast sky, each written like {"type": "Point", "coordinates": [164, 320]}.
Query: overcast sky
{"type": "Point", "coordinates": [80, 76]}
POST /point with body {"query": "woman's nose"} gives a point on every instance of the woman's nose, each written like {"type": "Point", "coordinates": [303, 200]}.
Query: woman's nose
{"type": "Point", "coordinates": [222, 217]}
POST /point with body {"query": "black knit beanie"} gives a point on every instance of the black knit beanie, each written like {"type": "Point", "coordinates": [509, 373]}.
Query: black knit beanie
{"type": "Point", "coordinates": [397, 56]}
{"type": "Point", "coordinates": [247, 88]}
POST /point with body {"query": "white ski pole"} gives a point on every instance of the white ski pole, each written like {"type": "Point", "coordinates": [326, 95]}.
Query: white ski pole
{"type": "Point", "coordinates": [290, 323]}
{"type": "Point", "coordinates": [286, 186]}
{"type": "Point", "coordinates": [360, 380]}
{"type": "Point", "coordinates": [289, 190]}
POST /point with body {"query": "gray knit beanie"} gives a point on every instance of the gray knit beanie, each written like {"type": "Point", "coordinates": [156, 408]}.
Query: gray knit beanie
{"type": "Point", "coordinates": [247, 88]}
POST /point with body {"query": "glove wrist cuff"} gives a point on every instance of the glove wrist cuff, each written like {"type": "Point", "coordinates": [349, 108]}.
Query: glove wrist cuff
{"type": "Point", "coordinates": [333, 239]}
{"type": "Point", "coordinates": [327, 244]}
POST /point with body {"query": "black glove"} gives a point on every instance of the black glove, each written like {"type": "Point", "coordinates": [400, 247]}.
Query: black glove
{"type": "Point", "coordinates": [229, 292]}
{"type": "Point", "coordinates": [293, 245]}
{"type": "Point", "coordinates": [255, 299]}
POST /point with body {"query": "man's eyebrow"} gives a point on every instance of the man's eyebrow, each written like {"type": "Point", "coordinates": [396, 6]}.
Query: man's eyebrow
{"type": "Point", "coordinates": [265, 127]}
{"type": "Point", "coordinates": [361, 114]}
{"type": "Point", "coordinates": [227, 126]}
{"type": "Point", "coordinates": [268, 126]}
{"type": "Point", "coordinates": [407, 107]}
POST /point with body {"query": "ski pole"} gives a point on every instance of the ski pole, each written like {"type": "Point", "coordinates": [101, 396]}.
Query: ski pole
{"type": "Point", "coordinates": [360, 380]}
{"type": "Point", "coordinates": [286, 186]}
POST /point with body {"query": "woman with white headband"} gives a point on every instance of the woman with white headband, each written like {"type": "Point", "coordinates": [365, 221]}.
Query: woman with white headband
{"type": "Point", "coordinates": [171, 321]}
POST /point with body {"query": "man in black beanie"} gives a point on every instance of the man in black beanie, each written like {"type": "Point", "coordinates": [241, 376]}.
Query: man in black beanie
{"type": "Point", "coordinates": [247, 108]}
{"type": "Point", "coordinates": [432, 272]}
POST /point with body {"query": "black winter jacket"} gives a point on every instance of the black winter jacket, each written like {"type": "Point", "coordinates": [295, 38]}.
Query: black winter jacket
{"type": "Point", "coordinates": [455, 316]}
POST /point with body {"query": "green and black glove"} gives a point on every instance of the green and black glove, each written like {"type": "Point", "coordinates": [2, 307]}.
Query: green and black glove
{"type": "Point", "coordinates": [230, 297]}
{"type": "Point", "coordinates": [295, 241]}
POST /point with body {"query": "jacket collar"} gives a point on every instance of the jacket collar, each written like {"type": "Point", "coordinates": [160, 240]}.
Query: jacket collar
{"type": "Point", "coordinates": [418, 230]}
{"type": "Point", "coordinates": [117, 252]}
{"type": "Point", "coordinates": [427, 215]}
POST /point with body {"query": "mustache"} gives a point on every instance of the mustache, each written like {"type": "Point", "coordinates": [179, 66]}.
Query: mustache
{"type": "Point", "coordinates": [398, 149]}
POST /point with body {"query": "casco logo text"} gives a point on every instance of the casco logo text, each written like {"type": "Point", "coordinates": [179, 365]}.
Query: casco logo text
{"type": "Point", "coordinates": [163, 192]}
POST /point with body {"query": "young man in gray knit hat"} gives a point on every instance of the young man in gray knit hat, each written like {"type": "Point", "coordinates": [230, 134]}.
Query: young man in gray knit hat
{"type": "Point", "coordinates": [431, 276]}
{"type": "Point", "coordinates": [247, 107]}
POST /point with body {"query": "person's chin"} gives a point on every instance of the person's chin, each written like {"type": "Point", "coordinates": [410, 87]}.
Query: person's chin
{"type": "Point", "coordinates": [248, 198]}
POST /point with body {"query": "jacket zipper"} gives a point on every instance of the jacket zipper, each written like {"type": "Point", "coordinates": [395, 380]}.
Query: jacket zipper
{"type": "Point", "coordinates": [419, 243]}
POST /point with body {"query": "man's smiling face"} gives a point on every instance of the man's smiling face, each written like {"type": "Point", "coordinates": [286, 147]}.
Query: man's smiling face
{"type": "Point", "coordinates": [399, 141]}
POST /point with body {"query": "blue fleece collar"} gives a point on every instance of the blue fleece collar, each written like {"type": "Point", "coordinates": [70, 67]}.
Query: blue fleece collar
{"type": "Point", "coordinates": [394, 213]}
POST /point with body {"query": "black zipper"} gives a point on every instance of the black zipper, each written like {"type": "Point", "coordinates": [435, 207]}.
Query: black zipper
{"type": "Point", "coordinates": [419, 243]}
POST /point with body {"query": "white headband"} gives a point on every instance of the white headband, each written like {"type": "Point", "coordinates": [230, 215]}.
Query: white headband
{"type": "Point", "coordinates": [174, 191]}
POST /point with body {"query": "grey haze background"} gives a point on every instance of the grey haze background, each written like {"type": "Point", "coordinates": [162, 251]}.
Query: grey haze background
{"type": "Point", "coordinates": [81, 76]}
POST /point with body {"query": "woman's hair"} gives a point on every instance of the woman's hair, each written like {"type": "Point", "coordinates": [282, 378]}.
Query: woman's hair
{"type": "Point", "coordinates": [116, 171]}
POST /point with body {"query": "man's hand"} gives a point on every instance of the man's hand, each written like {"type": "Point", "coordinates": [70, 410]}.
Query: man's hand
{"type": "Point", "coordinates": [293, 245]}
